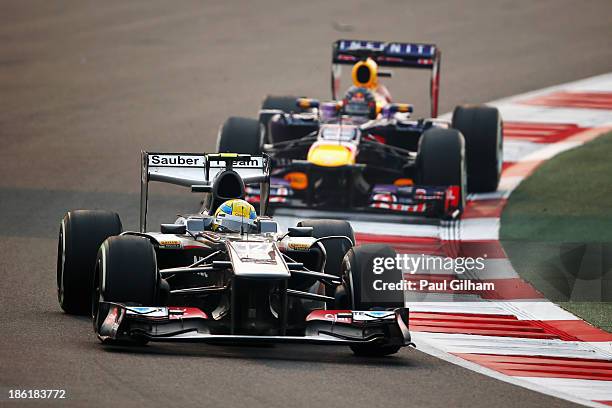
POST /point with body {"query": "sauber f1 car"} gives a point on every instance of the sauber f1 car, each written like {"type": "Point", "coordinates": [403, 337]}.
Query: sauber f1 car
{"type": "Point", "coordinates": [223, 274]}
{"type": "Point", "coordinates": [364, 151]}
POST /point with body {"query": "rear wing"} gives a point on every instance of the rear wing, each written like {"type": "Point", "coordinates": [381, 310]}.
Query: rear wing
{"type": "Point", "coordinates": [198, 171]}
{"type": "Point", "coordinates": [389, 54]}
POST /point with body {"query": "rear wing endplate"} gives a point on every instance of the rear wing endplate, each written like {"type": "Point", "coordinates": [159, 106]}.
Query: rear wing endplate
{"type": "Point", "coordinates": [389, 54]}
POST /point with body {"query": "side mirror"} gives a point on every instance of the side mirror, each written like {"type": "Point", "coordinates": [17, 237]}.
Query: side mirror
{"type": "Point", "coordinates": [268, 226]}
{"type": "Point", "coordinates": [198, 224]}
{"type": "Point", "coordinates": [178, 229]}
{"type": "Point", "coordinates": [307, 103]}
{"type": "Point", "coordinates": [392, 108]}
{"type": "Point", "coordinates": [300, 231]}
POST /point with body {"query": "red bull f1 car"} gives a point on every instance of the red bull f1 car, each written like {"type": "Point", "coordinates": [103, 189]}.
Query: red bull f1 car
{"type": "Point", "coordinates": [363, 151]}
{"type": "Point", "coordinates": [221, 276]}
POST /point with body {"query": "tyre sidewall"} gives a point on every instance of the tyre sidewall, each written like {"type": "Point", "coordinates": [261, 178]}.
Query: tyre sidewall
{"type": "Point", "coordinates": [358, 278]}
{"type": "Point", "coordinates": [240, 135]}
{"type": "Point", "coordinates": [482, 128]}
{"type": "Point", "coordinates": [126, 272]}
{"type": "Point", "coordinates": [441, 160]}
{"type": "Point", "coordinates": [129, 271]}
{"type": "Point", "coordinates": [334, 248]}
{"type": "Point", "coordinates": [81, 234]}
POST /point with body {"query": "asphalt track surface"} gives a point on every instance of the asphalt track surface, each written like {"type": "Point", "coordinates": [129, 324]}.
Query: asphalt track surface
{"type": "Point", "coordinates": [84, 86]}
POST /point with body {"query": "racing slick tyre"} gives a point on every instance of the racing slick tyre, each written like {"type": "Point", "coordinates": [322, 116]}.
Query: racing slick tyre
{"type": "Point", "coordinates": [286, 104]}
{"type": "Point", "coordinates": [126, 272]}
{"type": "Point", "coordinates": [441, 160]}
{"type": "Point", "coordinates": [357, 275]}
{"type": "Point", "coordinates": [482, 129]}
{"type": "Point", "coordinates": [334, 248]}
{"type": "Point", "coordinates": [80, 236]}
{"type": "Point", "coordinates": [239, 135]}
{"type": "Point", "coordinates": [359, 278]}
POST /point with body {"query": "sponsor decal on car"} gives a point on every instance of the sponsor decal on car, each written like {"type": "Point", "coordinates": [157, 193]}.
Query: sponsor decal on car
{"type": "Point", "coordinates": [176, 160]}
{"type": "Point", "coordinates": [373, 315]}
{"type": "Point", "coordinates": [170, 243]}
{"type": "Point", "coordinates": [252, 163]}
{"type": "Point", "coordinates": [159, 312]}
{"type": "Point", "coordinates": [336, 316]}
{"type": "Point", "coordinates": [298, 244]}
{"type": "Point", "coordinates": [394, 48]}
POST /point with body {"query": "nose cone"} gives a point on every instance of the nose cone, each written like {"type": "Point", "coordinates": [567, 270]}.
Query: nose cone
{"type": "Point", "coordinates": [330, 155]}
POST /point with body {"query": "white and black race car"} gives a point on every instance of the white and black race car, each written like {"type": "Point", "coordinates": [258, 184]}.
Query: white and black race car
{"type": "Point", "coordinates": [190, 283]}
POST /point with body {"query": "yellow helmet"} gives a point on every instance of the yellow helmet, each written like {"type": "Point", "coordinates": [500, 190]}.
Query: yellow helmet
{"type": "Point", "coordinates": [235, 216]}
{"type": "Point", "coordinates": [365, 74]}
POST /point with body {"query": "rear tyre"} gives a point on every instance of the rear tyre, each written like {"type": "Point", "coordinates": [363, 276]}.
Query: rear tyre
{"type": "Point", "coordinates": [334, 248]}
{"type": "Point", "coordinates": [126, 272]}
{"type": "Point", "coordinates": [482, 129]}
{"type": "Point", "coordinates": [286, 104]}
{"type": "Point", "coordinates": [80, 236]}
{"type": "Point", "coordinates": [357, 274]}
{"type": "Point", "coordinates": [239, 135]}
{"type": "Point", "coordinates": [441, 160]}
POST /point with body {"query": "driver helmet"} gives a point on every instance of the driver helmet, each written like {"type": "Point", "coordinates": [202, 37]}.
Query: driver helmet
{"type": "Point", "coordinates": [359, 101]}
{"type": "Point", "coordinates": [235, 216]}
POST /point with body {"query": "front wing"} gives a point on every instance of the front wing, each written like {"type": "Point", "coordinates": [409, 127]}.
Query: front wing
{"type": "Point", "coordinates": [189, 324]}
{"type": "Point", "coordinates": [412, 200]}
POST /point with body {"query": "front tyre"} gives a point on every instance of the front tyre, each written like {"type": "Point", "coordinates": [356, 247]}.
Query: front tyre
{"type": "Point", "coordinates": [362, 275]}
{"type": "Point", "coordinates": [80, 236]}
{"type": "Point", "coordinates": [126, 272]}
{"type": "Point", "coordinates": [358, 279]}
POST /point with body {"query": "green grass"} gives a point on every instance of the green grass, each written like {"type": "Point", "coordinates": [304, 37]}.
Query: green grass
{"type": "Point", "coordinates": [557, 230]}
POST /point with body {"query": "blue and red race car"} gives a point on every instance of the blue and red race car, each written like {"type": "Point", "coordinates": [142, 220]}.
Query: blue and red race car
{"type": "Point", "coordinates": [363, 151]}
